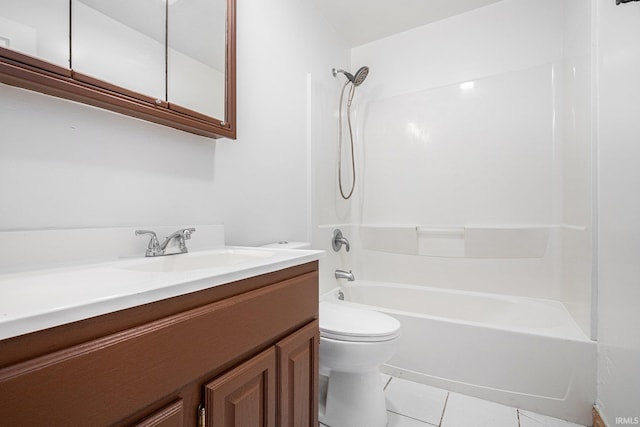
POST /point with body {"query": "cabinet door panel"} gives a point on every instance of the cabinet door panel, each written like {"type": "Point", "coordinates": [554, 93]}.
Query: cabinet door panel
{"type": "Point", "coordinates": [298, 377]}
{"type": "Point", "coordinates": [245, 396]}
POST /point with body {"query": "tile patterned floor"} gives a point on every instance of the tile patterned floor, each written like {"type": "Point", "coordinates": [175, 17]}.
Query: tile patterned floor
{"type": "Point", "coordinates": [410, 404]}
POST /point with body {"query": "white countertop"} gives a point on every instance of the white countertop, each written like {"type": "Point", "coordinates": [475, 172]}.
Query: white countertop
{"type": "Point", "coordinates": [36, 300]}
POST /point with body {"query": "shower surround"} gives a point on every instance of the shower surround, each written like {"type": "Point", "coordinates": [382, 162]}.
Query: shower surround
{"type": "Point", "coordinates": [474, 158]}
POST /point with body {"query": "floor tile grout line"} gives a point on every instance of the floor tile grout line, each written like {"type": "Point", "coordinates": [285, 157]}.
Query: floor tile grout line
{"type": "Point", "coordinates": [410, 417]}
{"type": "Point", "coordinates": [444, 409]}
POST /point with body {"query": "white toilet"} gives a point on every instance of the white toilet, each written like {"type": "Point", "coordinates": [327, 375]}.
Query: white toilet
{"type": "Point", "coordinates": [353, 344]}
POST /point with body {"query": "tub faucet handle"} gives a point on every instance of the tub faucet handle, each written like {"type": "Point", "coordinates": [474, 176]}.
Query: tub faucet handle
{"type": "Point", "coordinates": [339, 240]}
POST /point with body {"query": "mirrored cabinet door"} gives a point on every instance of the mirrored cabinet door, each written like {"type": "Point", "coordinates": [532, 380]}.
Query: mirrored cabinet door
{"type": "Point", "coordinates": [121, 42]}
{"type": "Point", "coordinates": [38, 28]}
{"type": "Point", "coordinates": [196, 69]}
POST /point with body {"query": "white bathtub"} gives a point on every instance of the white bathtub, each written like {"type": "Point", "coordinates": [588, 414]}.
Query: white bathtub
{"type": "Point", "coordinates": [522, 352]}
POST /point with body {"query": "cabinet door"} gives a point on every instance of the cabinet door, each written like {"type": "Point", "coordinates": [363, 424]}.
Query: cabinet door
{"type": "Point", "coordinates": [245, 396]}
{"type": "Point", "coordinates": [169, 416]}
{"type": "Point", "coordinates": [196, 57]}
{"type": "Point", "coordinates": [298, 378]}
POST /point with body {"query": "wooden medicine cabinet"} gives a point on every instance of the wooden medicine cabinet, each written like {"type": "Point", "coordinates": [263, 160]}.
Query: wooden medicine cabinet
{"type": "Point", "coordinates": [170, 62]}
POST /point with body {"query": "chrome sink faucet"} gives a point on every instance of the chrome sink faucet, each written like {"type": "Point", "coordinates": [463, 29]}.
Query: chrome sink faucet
{"type": "Point", "coordinates": [158, 249]}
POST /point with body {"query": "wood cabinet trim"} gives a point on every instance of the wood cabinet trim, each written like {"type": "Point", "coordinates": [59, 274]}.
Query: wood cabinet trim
{"type": "Point", "coordinates": [169, 416]}
{"type": "Point", "coordinates": [76, 90]}
{"type": "Point", "coordinates": [109, 87]}
{"type": "Point", "coordinates": [21, 58]}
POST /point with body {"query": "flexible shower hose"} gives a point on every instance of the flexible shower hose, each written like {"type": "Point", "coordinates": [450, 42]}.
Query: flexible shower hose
{"type": "Point", "coordinates": [353, 163]}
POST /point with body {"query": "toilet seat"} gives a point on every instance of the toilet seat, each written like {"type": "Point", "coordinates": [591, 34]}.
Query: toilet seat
{"type": "Point", "coordinates": [343, 323]}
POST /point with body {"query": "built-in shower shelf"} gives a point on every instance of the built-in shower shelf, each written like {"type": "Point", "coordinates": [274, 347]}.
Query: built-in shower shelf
{"type": "Point", "coordinates": [469, 241]}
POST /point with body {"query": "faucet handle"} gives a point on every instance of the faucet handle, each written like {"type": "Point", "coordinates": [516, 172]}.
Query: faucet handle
{"type": "Point", "coordinates": [339, 240]}
{"type": "Point", "coordinates": [147, 233]}
{"type": "Point", "coordinates": [181, 236]}
{"type": "Point", "coordinates": [187, 232]}
{"type": "Point", "coordinates": [154, 247]}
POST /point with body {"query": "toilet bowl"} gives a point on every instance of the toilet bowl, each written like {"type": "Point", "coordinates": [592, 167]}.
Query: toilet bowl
{"type": "Point", "coordinates": [353, 344]}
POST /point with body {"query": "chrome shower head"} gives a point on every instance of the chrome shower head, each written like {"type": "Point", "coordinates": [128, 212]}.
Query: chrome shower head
{"type": "Point", "coordinates": [356, 79]}
{"type": "Point", "coordinates": [360, 75]}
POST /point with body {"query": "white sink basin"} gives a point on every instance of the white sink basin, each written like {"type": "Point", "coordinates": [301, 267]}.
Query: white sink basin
{"type": "Point", "coordinates": [199, 261]}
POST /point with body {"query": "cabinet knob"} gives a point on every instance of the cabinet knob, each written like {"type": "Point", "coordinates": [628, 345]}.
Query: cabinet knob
{"type": "Point", "coordinates": [158, 101]}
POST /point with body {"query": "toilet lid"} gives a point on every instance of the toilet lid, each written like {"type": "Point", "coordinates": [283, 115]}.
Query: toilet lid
{"type": "Point", "coordinates": [340, 322]}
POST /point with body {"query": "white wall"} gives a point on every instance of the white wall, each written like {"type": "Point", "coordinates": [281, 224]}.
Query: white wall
{"type": "Point", "coordinates": [283, 42]}
{"type": "Point", "coordinates": [64, 164]}
{"type": "Point", "coordinates": [618, 67]}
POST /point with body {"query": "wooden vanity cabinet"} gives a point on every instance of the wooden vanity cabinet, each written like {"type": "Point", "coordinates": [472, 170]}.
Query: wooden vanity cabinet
{"type": "Point", "coordinates": [245, 352]}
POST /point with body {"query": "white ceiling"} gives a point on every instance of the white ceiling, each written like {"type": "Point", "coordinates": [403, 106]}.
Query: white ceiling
{"type": "Point", "coordinates": [363, 21]}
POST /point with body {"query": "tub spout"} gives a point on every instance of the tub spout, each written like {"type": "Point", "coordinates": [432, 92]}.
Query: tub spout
{"type": "Point", "coordinates": [341, 274]}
